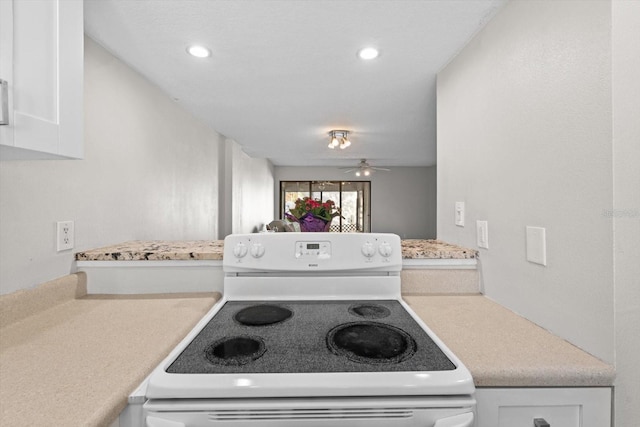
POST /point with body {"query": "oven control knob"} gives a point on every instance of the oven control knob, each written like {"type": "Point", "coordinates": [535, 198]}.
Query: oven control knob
{"type": "Point", "coordinates": [257, 250]}
{"type": "Point", "coordinates": [385, 249]}
{"type": "Point", "coordinates": [240, 250]}
{"type": "Point", "coordinates": [368, 250]}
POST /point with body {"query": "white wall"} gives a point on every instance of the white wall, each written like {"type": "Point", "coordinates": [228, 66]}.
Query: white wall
{"type": "Point", "coordinates": [524, 138]}
{"type": "Point", "coordinates": [538, 125]}
{"type": "Point", "coordinates": [626, 204]}
{"type": "Point", "coordinates": [250, 183]}
{"type": "Point", "coordinates": [403, 200]}
{"type": "Point", "coordinates": [150, 172]}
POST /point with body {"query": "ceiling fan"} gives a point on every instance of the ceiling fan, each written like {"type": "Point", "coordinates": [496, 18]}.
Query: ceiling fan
{"type": "Point", "coordinates": [321, 185]}
{"type": "Point", "coordinates": [364, 169]}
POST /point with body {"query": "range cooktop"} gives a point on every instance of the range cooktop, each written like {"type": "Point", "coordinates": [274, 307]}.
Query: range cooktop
{"type": "Point", "coordinates": [311, 337]}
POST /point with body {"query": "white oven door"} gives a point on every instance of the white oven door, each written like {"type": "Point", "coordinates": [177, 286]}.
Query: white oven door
{"type": "Point", "coordinates": [313, 412]}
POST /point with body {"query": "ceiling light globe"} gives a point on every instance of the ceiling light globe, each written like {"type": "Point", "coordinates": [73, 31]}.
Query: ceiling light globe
{"type": "Point", "coordinates": [368, 53]}
{"type": "Point", "coordinates": [367, 172]}
{"type": "Point", "coordinates": [198, 51]}
{"type": "Point", "coordinates": [357, 173]}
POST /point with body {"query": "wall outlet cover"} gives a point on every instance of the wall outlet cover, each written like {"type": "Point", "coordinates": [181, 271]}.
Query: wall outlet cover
{"type": "Point", "coordinates": [537, 245]}
{"type": "Point", "coordinates": [64, 235]}
{"type": "Point", "coordinates": [482, 234]}
{"type": "Point", "coordinates": [459, 214]}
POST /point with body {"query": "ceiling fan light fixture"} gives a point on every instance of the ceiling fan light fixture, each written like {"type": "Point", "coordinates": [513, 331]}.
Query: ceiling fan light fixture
{"type": "Point", "coordinates": [364, 169]}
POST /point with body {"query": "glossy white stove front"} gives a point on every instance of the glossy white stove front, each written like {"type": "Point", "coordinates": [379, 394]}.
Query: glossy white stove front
{"type": "Point", "coordinates": [311, 267]}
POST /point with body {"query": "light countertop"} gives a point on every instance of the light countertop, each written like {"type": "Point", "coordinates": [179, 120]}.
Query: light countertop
{"type": "Point", "coordinates": [162, 250]}
{"type": "Point", "coordinates": [76, 361]}
{"type": "Point", "coordinates": [502, 349]}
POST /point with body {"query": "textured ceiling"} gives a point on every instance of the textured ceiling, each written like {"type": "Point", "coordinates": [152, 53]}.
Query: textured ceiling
{"type": "Point", "coordinates": [283, 73]}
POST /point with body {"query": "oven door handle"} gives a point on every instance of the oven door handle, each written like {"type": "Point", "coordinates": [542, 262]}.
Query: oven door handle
{"type": "Point", "coordinates": [462, 420]}
{"type": "Point", "coordinates": [159, 422]}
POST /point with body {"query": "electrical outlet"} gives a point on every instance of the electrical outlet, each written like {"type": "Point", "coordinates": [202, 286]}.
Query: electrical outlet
{"type": "Point", "coordinates": [64, 235]}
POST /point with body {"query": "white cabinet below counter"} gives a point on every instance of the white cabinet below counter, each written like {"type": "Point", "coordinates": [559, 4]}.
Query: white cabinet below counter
{"type": "Point", "coordinates": [559, 407]}
{"type": "Point", "coordinates": [41, 68]}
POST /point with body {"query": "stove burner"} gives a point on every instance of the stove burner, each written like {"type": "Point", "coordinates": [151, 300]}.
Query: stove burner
{"type": "Point", "coordinates": [369, 311]}
{"type": "Point", "coordinates": [238, 350]}
{"type": "Point", "coordinates": [262, 315]}
{"type": "Point", "coordinates": [370, 342]}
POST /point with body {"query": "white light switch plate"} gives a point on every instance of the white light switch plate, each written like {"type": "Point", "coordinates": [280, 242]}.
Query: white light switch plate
{"type": "Point", "coordinates": [537, 245]}
{"type": "Point", "coordinates": [482, 234]}
{"type": "Point", "coordinates": [459, 214]}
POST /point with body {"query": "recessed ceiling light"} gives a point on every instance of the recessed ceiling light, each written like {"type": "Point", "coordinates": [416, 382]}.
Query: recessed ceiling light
{"type": "Point", "coordinates": [368, 53]}
{"type": "Point", "coordinates": [198, 51]}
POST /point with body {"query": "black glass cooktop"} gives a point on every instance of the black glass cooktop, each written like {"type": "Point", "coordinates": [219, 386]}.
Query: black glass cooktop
{"type": "Point", "coordinates": [311, 336]}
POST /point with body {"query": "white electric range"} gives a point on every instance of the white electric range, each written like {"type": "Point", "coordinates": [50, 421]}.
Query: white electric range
{"type": "Point", "coordinates": [311, 331]}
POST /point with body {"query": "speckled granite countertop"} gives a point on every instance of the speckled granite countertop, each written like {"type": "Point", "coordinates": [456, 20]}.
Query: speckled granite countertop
{"type": "Point", "coordinates": [434, 249]}
{"type": "Point", "coordinates": [157, 250]}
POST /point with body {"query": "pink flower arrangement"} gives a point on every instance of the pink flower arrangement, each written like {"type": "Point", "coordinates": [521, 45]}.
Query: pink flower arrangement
{"type": "Point", "coordinates": [312, 214]}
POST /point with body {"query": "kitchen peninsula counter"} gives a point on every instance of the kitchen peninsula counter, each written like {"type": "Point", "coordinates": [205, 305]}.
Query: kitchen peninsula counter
{"type": "Point", "coordinates": [157, 250]}
{"type": "Point", "coordinates": [202, 250]}
{"type": "Point", "coordinates": [72, 359]}
{"type": "Point", "coordinates": [144, 266]}
{"type": "Point", "coordinates": [502, 349]}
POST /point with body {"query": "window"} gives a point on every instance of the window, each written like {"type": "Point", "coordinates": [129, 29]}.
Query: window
{"type": "Point", "coordinates": [353, 198]}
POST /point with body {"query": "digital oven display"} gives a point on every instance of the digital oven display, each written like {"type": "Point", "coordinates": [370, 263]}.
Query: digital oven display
{"type": "Point", "coordinates": [312, 251]}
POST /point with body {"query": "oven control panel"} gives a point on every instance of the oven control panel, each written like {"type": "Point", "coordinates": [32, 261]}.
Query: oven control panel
{"type": "Point", "coordinates": [327, 252]}
{"type": "Point", "coordinates": [313, 250]}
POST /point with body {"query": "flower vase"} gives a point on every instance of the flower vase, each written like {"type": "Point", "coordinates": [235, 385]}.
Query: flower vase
{"type": "Point", "coordinates": [310, 223]}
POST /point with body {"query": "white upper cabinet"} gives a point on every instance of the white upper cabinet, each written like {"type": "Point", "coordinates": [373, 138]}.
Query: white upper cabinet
{"type": "Point", "coordinates": [41, 61]}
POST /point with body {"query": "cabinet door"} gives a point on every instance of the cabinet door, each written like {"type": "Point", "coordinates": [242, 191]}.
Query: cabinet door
{"type": "Point", "coordinates": [41, 59]}
{"type": "Point", "coordinates": [560, 407]}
